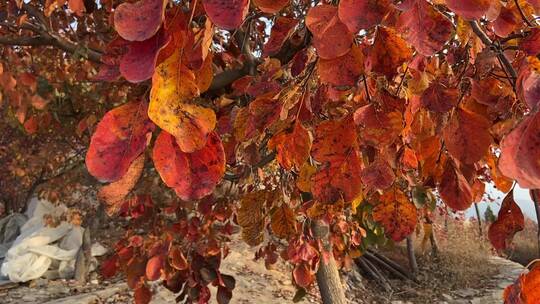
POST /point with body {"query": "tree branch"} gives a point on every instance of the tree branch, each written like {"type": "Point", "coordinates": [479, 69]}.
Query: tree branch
{"type": "Point", "coordinates": [487, 41]}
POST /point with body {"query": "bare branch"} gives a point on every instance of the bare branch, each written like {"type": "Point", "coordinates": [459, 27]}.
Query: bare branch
{"type": "Point", "coordinates": [487, 41]}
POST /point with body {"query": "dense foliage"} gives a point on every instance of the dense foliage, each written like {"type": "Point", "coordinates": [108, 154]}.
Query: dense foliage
{"type": "Point", "coordinates": [272, 115]}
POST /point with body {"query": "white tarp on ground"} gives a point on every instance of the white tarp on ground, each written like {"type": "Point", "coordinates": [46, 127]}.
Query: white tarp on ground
{"type": "Point", "coordinates": [39, 248]}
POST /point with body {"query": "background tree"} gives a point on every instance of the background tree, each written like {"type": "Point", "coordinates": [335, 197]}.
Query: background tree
{"type": "Point", "coordinates": [489, 216]}
{"type": "Point", "coordinates": [287, 118]}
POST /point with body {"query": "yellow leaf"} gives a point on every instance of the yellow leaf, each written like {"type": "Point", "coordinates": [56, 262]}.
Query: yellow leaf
{"type": "Point", "coordinates": [173, 84]}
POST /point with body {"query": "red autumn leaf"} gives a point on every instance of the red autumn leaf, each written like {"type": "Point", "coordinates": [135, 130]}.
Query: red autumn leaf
{"type": "Point", "coordinates": [114, 193]}
{"type": "Point", "coordinates": [262, 112]}
{"type": "Point", "coordinates": [154, 266]}
{"type": "Point", "coordinates": [292, 147]}
{"type": "Point", "coordinates": [378, 175]}
{"type": "Point", "coordinates": [467, 136]}
{"type": "Point", "coordinates": [439, 98]}
{"type": "Point", "coordinates": [378, 128]}
{"type": "Point", "coordinates": [142, 295]}
{"type": "Point", "coordinates": [344, 70]}
{"type": "Point", "coordinates": [388, 52]}
{"type": "Point", "coordinates": [520, 153]}
{"type": "Point", "coordinates": [109, 267]}
{"type": "Point", "coordinates": [507, 21]}
{"type": "Point", "coordinates": [192, 175]}
{"type": "Point", "coordinates": [120, 137]}
{"type": "Point", "coordinates": [425, 28]}
{"type": "Point", "coordinates": [528, 85]}
{"type": "Point", "coordinates": [271, 6]}
{"type": "Point", "coordinates": [303, 276]}
{"type": "Point", "coordinates": [396, 214]}
{"type": "Point", "coordinates": [470, 9]}
{"type": "Point", "coordinates": [409, 159]}
{"type": "Point", "coordinates": [226, 14]}
{"type": "Point", "coordinates": [31, 125]}
{"type": "Point", "coordinates": [140, 20]}
{"type": "Point", "coordinates": [509, 221]}
{"type": "Point", "coordinates": [363, 14]}
{"type": "Point", "coordinates": [454, 189]}
{"type": "Point", "coordinates": [531, 43]}
{"type": "Point", "coordinates": [331, 37]}
{"type": "Point", "coordinates": [526, 289]}
{"type": "Point", "coordinates": [138, 63]}
{"type": "Point", "coordinates": [281, 31]}
{"type": "Point", "coordinates": [489, 91]}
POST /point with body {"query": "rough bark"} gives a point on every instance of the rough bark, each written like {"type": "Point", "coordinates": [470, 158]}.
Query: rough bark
{"type": "Point", "coordinates": [328, 278]}
{"type": "Point", "coordinates": [412, 258]}
{"type": "Point", "coordinates": [479, 220]}
{"type": "Point", "coordinates": [84, 258]}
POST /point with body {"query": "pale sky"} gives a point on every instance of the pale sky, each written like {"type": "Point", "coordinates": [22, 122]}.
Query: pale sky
{"type": "Point", "coordinates": [521, 196]}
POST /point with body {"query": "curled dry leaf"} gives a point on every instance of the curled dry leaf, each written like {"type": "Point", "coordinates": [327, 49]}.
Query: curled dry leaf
{"type": "Point", "coordinates": [140, 20]}
{"type": "Point", "coordinates": [509, 221]}
{"type": "Point", "coordinates": [191, 175]}
{"type": "Point", "coordinates": [120, 137]}
{"type": "Point", "coordinates": [303, 276]}
{"type": "Point", "coordinates": [396, 214]}
{"type": "Point", "coordinates": [251, 216]}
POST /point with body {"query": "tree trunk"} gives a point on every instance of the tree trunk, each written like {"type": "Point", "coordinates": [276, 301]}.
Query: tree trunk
{"type": "Point", "coordinates": [328, 278]}
{"type": "Point", "coordinates": [412, 258]}
{"type": "Point", "coordinates": [479, 219]}
{"type": "Point", "coordinates": [534, 195]}
{"type": "Point", "coordinates": [83, 259]}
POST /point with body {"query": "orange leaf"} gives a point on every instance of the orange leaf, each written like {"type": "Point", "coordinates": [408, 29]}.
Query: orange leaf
{"type": "Point", "coordinates": [292, 148]}
{"type": "Point", "coordinates": [509, 221]}
{"type": "Point", "coordinates": [192, 175]}
{"type": "Point", "coordinates": [467, 136]}
{"type": "Point", "coordinates": [388, 52]}
{"type": "Point", "coordinates": [378, 128]}
{"type": "Point", "coordinates": [283, 222]}
{"type": "Point", "coordinates": [153, 267]}
{"type": "Point", "coordinates": [177, 259]}
{"type": "Point", "coordinates": [114, 193]}
{"type": "Point", "coordinates": [396, 214]}
{"type": "Point", "coordinates": [120, 137]}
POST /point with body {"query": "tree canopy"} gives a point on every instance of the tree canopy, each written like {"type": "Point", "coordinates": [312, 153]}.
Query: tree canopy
{"type": "Point", "coordinates": [201, 115]}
